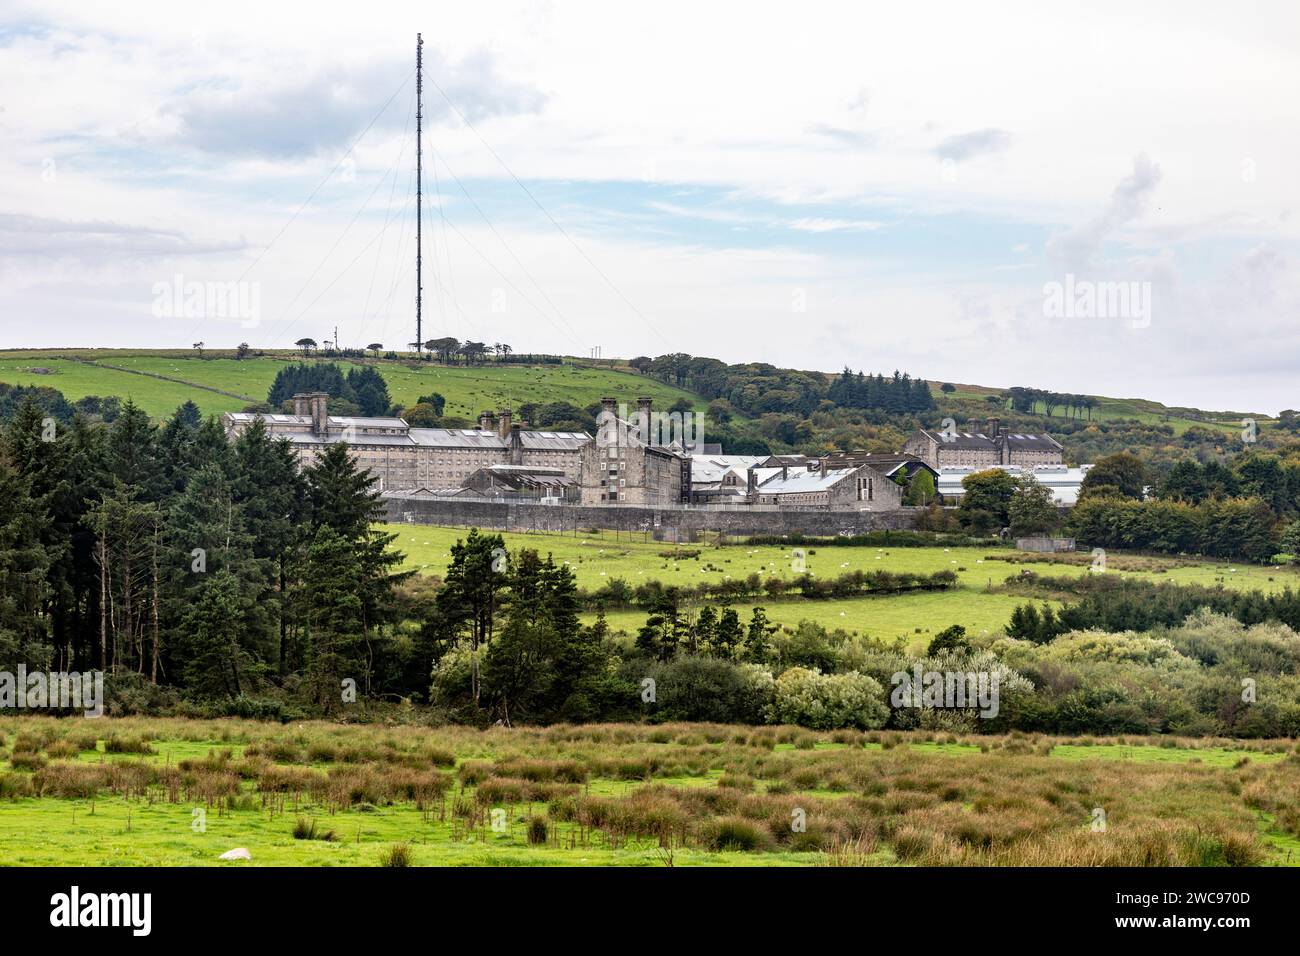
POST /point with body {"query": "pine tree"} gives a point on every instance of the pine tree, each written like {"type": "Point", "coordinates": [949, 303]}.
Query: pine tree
{"type": "Point", "coordinates": [728, 635]}
{"type": "Point", "coordinates": [758, 643]}
{"type": "Point", "coordinates": [273, 495]}
{"type": "Point", "coordinates": [24, 564]}
{"type": "Point", "coordinates": [661, 634]}
{"type": "Point", "coordinates": [704, 632]}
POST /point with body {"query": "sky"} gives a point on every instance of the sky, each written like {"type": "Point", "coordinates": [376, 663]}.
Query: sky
{"type": "Point", "coordinates": [1098, 198]}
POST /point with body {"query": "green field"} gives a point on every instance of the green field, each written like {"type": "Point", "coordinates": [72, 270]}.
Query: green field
{"type": "Point", "coordinates": [596, 557]}
{"type": "Point", "coordinates": [627, 795]}
{"type": "Point", "coordinates": [468, 390]}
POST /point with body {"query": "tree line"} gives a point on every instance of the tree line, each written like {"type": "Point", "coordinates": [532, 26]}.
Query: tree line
{"type": "Point", "coordinates": [168, 556]}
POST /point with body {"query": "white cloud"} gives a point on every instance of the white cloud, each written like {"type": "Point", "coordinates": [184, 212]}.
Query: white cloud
{"type": "Point", "coordinates": [187, 138]}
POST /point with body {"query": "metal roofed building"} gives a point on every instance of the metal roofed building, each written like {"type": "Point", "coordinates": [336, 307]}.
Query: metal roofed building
{"type": "Point", "coordinates": [1063, 482]}
{"type": "Point", "coordinates": [523, 482]}
{"type": "Point", "coordinates": [889, 465]}
{"type": "Point", "coordinates": [722, 478]}
{"type": "Point", "coordinates": [838, 489]}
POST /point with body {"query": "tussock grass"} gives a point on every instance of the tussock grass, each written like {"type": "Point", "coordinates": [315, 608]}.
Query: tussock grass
{"type": "Point", "coordinates": [919, 798]}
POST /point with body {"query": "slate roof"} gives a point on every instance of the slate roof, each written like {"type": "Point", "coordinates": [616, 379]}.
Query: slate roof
{"type": "Point", "coordinates": [804, 482]}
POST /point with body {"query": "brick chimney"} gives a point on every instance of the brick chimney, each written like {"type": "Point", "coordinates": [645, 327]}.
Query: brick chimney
{"type": "Point", "coordinates": [505, 415]}
{"type": "Point", "coordinates": [487, 421]}
{"type": "Point", "coordinates": [319, 414]}
{"type": "Point", "coordinates": [300, 404]}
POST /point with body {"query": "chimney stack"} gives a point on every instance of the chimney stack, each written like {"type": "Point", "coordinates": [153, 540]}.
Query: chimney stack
{"type": "Point", "coordinates": [516, 445]}
{"type": "Point", "coordinates": [487, 421]}
{"type": "Point", "coordinates": [644, 422]}
{"type": "Point", "coordinates": [505, 416]}
{"type": "Point", "coordinates": [607, 424]}
{"type": "Point", "coordinates": [319, 413]}
{"type": "Point", "coordinates": [300, 404]}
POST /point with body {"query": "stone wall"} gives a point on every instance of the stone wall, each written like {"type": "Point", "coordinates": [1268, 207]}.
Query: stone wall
{"type": "Point", "coordinates": [665, 524]}
{"type": "Point", "coordinates": [1045, 544]}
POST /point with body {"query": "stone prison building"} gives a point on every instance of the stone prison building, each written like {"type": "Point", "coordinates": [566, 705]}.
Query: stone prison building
{"type": "Point", "coordinates": [407, 459]}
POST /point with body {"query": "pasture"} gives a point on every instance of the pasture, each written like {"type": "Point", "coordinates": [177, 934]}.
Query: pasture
{"type": "Point", "coordinates": [155, 792]}
{"type": "Point", "coordinates": [468, 390]}
{"type": "Point", "coordinates": [977, 603]}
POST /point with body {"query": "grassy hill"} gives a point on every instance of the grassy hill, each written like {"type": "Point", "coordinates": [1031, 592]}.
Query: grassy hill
{"type": "Point", "coordinates": [158, 381]}
{"type": "Point", "coordinates": [1139, 409]}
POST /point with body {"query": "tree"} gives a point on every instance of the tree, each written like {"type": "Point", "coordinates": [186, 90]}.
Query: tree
{"type": "Point", "coordinates": [306, 345]}
{"type": "Point", "coordinates": [920, 490]}
{"type": "Point", "coordinates": [663, 630]}
{"type": "Point", "coordinates": [1123, 472]}
{"type": "Point", "coordinates": [273, 494]}
{"type": "Point", "coordinates": [24, 565]}
{"type": "Point", "coordinates": [986, 505]}
{"type": "Point", "coordinates": [434, 401]}
{"type": "Point", "coordinates": [1290, 542]}
{"type": "Point", "coordinates": [332, 611]}
{"type": "Point", "coordinates": [1033, 508]}
{"type": "Point", "coordinates": [345, 501]}
{"type": "Point", "coordinates": [727, 636]}
{"type": "Point", "coordinates": [241, 351]}
{"type": "Point", "coordinates": [215, 664]}
{"type": "Point", "coordinates": [947, 388]}
{"type": "Point", "coordinates": [541, 653]}
{"type": "Point", "coordinates": [758, 640]}
{"type": "Point", "coordinates": [375, 347]}
{"type": "Point", "coordinates": [705, 629]}
{"type": "Point", "coordinates": [198, 347]}
{"type": "Point", "coordinates": [949, 639]}
{"type": "Point", "coordinates": [420, 415]}
{"type": "Point", "coordinates": [189, 414]}
{"type": "Point", "coordinates": [445, 348]}
{"type": "Point", "coordinates": [467, 603]}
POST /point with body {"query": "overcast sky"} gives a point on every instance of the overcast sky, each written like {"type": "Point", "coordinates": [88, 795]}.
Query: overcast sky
{"type": "Point", "coordinates": [878, 185]}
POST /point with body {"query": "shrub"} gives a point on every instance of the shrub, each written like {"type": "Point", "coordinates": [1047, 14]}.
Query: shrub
{"type": "Point", "coordinates": [305, 829]}
{"type": "Point", "coordinates": [397, 855]}
{"type": "Point", "coordinates": [828, 701]}
{"type": "Point", "coordinates": [736, 833]}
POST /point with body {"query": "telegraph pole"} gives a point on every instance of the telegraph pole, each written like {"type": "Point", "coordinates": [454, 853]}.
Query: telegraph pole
{"type": "Point", "coordinates": [419, 160]}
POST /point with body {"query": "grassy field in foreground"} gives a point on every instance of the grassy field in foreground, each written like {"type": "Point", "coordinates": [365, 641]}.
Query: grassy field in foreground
{"type": "Point", "coordinates": [597, 557]}
{"type": "Point", "coordinates": [468, 390]}
{"type": "Point", "coordinates": [631, 795]}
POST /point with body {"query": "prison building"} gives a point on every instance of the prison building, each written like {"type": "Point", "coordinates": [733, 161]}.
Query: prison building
{"type": "Point", "coordinates": [405, 458]}
{"type": "Point", "coordinates": [991, 444]}
{"type": "Point", "coordinates": [620, 467]}
{"type": "Point", "coordinates": [837, 489]}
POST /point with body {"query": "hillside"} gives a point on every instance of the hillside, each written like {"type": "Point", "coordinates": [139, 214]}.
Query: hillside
{"type": "Point", "coordinates": [217, 382]}
{"type": "Point", "coordinates": [158, 381]}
